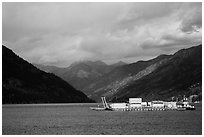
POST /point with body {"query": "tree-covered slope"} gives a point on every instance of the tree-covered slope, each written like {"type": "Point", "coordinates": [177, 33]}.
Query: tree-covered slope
{"type": "Point", "coordinates": [177, 77]}
{"type": "Point", "coordinates": [24, 83]}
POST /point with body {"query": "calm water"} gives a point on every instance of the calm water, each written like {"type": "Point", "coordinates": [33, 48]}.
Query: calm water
{"type": "Point", "coordinates": [79, 119]}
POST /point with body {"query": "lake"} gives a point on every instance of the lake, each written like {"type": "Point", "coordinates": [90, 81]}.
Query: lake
{"type": "Point", "coordinates": [79, 119]}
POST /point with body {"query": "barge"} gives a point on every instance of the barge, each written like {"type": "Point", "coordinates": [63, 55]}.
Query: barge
{"type": "Point", "coordinates": [136, 104]}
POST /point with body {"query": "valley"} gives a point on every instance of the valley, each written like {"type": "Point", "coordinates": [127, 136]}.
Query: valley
{"type": "Point", "coordinates": [163, 77]}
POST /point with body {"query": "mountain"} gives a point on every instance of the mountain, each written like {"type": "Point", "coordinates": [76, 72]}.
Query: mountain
{"type": "Point", "coordinates": [47, 68]}
{"type": "Point", "coordinates": [81, 74]}
{"type": "Point", "coordinates": [119, 63]}
{"type": "Point", "coordinates": [24, 83]}
{"type": "Point", "coordinates": [119, 77]}
{"type": "Point", "coordinates": [51, 69]}
{"type": "Point", "coordinates": [174, 77]}
{"type": "Point", "coordinates": [162, 78]}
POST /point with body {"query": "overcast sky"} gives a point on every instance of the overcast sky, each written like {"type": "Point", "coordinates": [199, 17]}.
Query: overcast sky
{"type": "Point", "coordinates": [62, 33]}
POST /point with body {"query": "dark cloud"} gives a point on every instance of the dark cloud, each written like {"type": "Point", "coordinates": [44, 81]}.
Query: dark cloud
{"type": "Point", "coordinates": [192, 20]}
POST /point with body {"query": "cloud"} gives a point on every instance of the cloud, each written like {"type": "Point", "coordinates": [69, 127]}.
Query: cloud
{"type": "Point", "coordinates": [142, 13]}
{"type": "Point", "coordinates": [191, 18]}
{"type": "Point", "coordinates": [62, 33]}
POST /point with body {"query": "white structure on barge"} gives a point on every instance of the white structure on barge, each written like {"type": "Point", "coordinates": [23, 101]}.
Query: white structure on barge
{"type": "Point", "coordinates": [136, 104]}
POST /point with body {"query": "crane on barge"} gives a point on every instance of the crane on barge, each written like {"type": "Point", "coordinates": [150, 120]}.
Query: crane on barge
{"type": "Point", "coordinates": [106, 106]}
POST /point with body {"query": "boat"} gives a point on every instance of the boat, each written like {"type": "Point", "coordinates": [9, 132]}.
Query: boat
{"type": "Point", "coordinates": [190, 108]}
{"type": "Point", "coordinates": [184, 105]}
{"type": "Point", "coordinates": [100, 109]}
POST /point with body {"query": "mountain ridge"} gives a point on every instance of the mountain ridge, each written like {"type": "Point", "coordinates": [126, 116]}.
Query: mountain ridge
{"type": "Point", "coordinates": [82, 73]}
{"type": "Point", "coordinates": [122, 82]}
{"type": "Point", "coordinates": [24, 83]}
{"type": "Point", "coordinates": [172, 78]}
{"type": "Point", "coordinates": [121, 76]}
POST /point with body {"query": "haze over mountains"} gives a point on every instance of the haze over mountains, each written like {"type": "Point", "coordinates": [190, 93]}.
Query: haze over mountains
{"type": "Point", "coordinates": [162, 78]}
{"type": "Point", "coordinates": [81, 74]}
{"type": "Point", "coordinates": [24, 83]}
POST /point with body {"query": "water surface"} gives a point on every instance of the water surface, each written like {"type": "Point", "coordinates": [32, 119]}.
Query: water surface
{"type": "Point", "coordinates": [78, 119]}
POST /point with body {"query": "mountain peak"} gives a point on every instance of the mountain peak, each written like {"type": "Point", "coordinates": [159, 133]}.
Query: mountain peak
{"type": "Point", "coordinates": [119, 63]}
{"type": "Point", "coordinates": [88, 62]}
{"type": "Point", "coordinates": [186, 52]}
{"type": "Point", "coordinates": [99, 62]}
